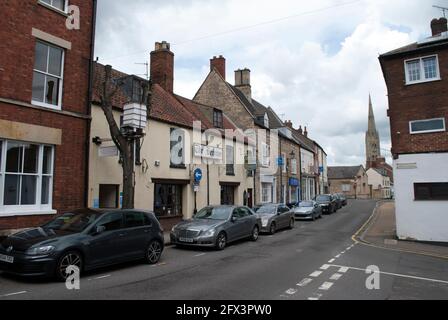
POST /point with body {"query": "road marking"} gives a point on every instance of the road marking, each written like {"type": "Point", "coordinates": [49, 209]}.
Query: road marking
{"type": "Point", "coordinates": [305, 282]}
{"type": "Point", "coordinates": [13, 294]}
{"type": "Point", "coordinates": [315, 274]}
{"type": "Point", "coordinates": [343, 270]}
{"type": "Point", "coordinates": [336, 276]}
{"type": "Point", "coordinates": [317, 296]}
{"type": "Point", "coordinates": [159, 264]}
{"type": "Point", "coordinates": [102, 277]}
{"type": "Point", "coordinates": [343, 252]}
{"type": "Point", "coordinates": [325, 267]}
{"type": "Point", "coordinates": [200, 255]}
{"type": "Point", "coordinates": [331, 260]}
{"type": "Point", "coordinates": [291, 291]}
{"type": "Point", "coordinates": [326, 286]}
{"type": "Point", "coordinates": [395, 274]}
{"type": "Point", "coordinates": [338, 256]}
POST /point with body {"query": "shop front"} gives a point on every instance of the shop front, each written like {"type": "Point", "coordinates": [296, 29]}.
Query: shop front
{"type": "Point", "coordinates": [228, 192]}
{"type": "Point", "coordinates": [168, 200]}
{"type": "Point", "coordinates": [294, 188]}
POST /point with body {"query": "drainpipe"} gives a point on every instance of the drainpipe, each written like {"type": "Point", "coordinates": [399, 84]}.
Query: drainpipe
{"type": "Point", "coordinates": [89, 105]}
{"type": "Point", "coordinates": [300, 173]}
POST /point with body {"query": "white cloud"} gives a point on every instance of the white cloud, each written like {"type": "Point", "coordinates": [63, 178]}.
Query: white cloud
{"type": "Point", "coordinates": [316, 69]}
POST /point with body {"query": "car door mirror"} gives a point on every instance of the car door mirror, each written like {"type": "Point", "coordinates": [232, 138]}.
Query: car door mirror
{"type": "Point", "coordinates": [99, 230]}
{"type": "Point", "coordinates": [234, 219]}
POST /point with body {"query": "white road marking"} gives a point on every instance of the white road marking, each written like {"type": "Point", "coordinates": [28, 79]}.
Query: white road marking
{"type": "Point", "coordinates": [326, 286]}
{"type": "Point", "coordinates": [291, 291]}
{"type": "Point", "coordinates": [315, 297]}
{"type": "Point", "coordinates": [315, 274]}
{"type": "Point", "coordinates": [200, 255]}
{"type": "Point", "coordinates": [159, 264]}
{"type": "Point", "coordinates": [331, 260]}
{"type": "Point", "coordinates": [338, 256]}
{"type": "Point", "coordinates": [336, 276]}
{"type": "Point", "coordinates": [325, 267]}
{"type": "Point", "coordinates": [348, 249]}
{"type": "Point", "coordinates": [395, 274]}
{"type": "Point", "coordinates": [343, 270]}
{"type": "Point", "coordinates": [343, 252]}
{"type": "Point", "coordinates": [305, 282]}
{"type": "Point", "coordinates": [102, 277]}
{"type": "Point", "coordinates": [14, 294]}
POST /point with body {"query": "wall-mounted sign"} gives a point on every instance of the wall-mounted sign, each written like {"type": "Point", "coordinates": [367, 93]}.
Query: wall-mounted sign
{"type": "Point", "coordinates": [197, 175]}
{"type": "Point", "coordinates": [104, 152]}
{"type": "Point", "coordinates": [293, 182]}
{"type": "Point", "coordinates": [207, 152]}
{"type": "Point", "coordinates": [406, 166]}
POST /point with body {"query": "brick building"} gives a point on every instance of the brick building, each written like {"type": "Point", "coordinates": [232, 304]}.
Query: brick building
{"type": "Point", "coordinates": [44, 109]}
{"type": "Point", "coordinates": [416, 79]}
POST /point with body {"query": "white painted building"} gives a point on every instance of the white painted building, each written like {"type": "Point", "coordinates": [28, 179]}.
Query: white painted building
{"type": "Point", "coordinates": [380, 183]}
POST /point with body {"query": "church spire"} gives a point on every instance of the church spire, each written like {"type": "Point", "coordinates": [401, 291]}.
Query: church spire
{"type": "Point", "coordinates": [372, 124]}
{"type": "Point", "coordinates": [373, 152]}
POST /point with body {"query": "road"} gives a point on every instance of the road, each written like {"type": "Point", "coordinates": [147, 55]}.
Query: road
{"type": "Point", "coordinates": [315, 261]}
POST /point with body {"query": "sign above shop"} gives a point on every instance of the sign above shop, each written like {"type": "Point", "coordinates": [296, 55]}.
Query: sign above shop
{"type": "Point", "coordinates": [207, 152]}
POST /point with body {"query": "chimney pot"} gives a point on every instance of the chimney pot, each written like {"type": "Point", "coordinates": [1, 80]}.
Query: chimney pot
{"type": "Point", "coordinates": [305, 133]}
{"type": "Point", "coordinates": [300, 131]}
{"type": "Point", "coordinates": [218, 64]}
{"type": "Point", "coordinates": [438, 26]}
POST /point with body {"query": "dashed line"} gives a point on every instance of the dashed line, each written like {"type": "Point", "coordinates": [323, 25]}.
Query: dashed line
{"type": "Point", "coordinates": [326, 286]}
{"type": "Point", "coordinates": [305, 282]}
{"type": "Point", "coordinates": [13, 294]}
{"type": "Point", "coordinates": [315, 297]}
{"type": "Point", "coordinates": [200, 255]}
{"type": "Point", "coordinates": [325, 267]}
{"type": "Point", "coordinates": [336, 276]}
{"type": "Point", "coordinates": [343, 270]}
{"type": "Point", "coordinates": [102, 277]}
{"type": "Point", "coordinates": [338, 256]}
{"type": "Point", "coordinates": [315, 274]}
{"type": "Point", "coordinates": [331, 260]}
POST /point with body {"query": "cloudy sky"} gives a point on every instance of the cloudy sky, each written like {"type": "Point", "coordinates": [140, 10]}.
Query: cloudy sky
{"type": "Point", "coordinates": [314, 62]}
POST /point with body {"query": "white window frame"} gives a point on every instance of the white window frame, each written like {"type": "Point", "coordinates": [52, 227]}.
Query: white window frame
{"type": "Point", "coordinates": [61, 78]}
{"type": "Point", "coordinates": [266, 157]}
{"type": "Point", "coordinates": [266, 197]}
{"type": "Point", "coordinates": [35, 209]}
{"type": "Point", "coordinates": [50, 6]}
{"type": "Point", "coordinates": [422, 70]}
{"type": "Point", "coordinates": [293, 166]}
{"type": "Point", "coordinates": [427, 131]}
{"type": "Point", "coordinates": [284, 166]}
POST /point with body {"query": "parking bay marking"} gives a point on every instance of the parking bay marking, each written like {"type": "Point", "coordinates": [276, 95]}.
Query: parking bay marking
{"type": "Point", "coordinates": [305, 282]}
{"type": "Point", "coordinates": [315, 274]}
{"type": "Point", "coordinates": [13, 294]}
{"type": "Point", "coordinates": [326, 286]}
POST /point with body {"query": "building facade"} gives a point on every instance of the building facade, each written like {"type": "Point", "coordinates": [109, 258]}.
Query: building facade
{"type": "Point", "coordinates": [45, 110]}
{"type": "Point", "coordinates": [350, 181]}
{"type": "Point", "coordinates": [380, 184]}
{"type": "Point", "coordinates": [415, 76]}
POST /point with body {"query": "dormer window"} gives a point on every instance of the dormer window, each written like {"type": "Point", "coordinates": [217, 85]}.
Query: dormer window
{"type": "Point", "coordinates": [422, 70]}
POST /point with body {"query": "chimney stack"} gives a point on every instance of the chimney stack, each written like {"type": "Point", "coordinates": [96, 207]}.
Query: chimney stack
{"type": "Point", "coordinates": [219, 64]}
{"type": "Point", "coordinates": [242, 82]}
{"type": "Point", "coordinates": [438, 26]}
{"type": "Point", "coordinates": [300, 131]}
{"type": "Point", "coordinates": [305, 133]}
{"type": "Point", "coordinates": [162, 66]}
{"type": "Point", "coordinates": [288, 123]}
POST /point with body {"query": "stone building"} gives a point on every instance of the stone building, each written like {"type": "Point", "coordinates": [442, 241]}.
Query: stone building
{"type": "Point", "coordinates": [350, 181]}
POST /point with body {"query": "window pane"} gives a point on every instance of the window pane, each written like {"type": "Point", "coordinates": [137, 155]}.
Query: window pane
{"type": "Point", "coordinates": [31, 161]}
{"type": "Point", "coordinates": [14, 158]}
{"type": "Point", "coordinates": [112, 221]}
{"type": "Point", "coordinates": [427, 125]}
{"type": "Point", "coordinates": [55, 61]}
{"type": "Point", "coordinates": [52, 93]}
{"type": "Point", "coordinates": [38, 86]}
{"type": "Point", "coordinates": [11, 194]}
{"type": "Point", "coordinates": [135, 219]}
{"type": "Point", "coordinates": [414, 70]}
{"type": "Point", "coordinates": [1, 148]}
{"type": "Point", "coordinates": [430, 67]}
{"type": "Point", "coordinates": [40, 60]}
{"type": "Point", "coordinates": [47, 164]}
{"type": "Point", "coordinates": [60, 4]}
{"type": "Point", "coordinates": [46, 190]}
{"type": "Point", "coordinates": [29, 184]}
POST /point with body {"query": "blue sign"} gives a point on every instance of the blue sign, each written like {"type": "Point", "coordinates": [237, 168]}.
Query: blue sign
{"type": "Point", "coordinates": [280, 162]}
{"type": "Point", "coordinates": [321, 169]}
{"type": "Point", "coordinates": [197, 175]}
{"type": "Point", "coordinates": [293, 182]}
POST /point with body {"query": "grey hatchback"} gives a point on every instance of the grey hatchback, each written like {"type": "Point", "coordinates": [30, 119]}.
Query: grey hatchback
{"type": "Point", "coordinates": [84, 238]}
{"type": "Point", "coordinates": [216, 226]}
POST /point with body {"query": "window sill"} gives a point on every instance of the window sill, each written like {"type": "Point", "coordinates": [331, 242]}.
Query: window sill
{"type": "Point", "coordinates": [182, 167]}
{"type": "Point", "coordinates": [46, 105]}
{"type": "Point", "coordinates": [46, 5]}
{"type": "Point", "coordinates": [422, 81]}
{"type": "Point", "coordinates": [18, 213]}
{"type": "Point", "coordinates": [428, 131]}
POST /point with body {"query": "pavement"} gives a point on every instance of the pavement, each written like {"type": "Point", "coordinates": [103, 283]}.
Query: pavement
{"type": "Point", "coordinates": [314, 261]}
{"type": "Point", "coordinates": [380, 231]}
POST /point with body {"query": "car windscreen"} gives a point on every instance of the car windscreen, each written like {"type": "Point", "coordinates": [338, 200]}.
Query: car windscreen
{"type": "Point", "coordinates": [323, 198]}
{"type": "Point", "coordinates": [267, 209]}
{"type": "Point", "coordinates": [72, 222]}
{"type": "Point", "coordinates": [214, 213]}
{"type": "Point", "coordinates": [306, 204]}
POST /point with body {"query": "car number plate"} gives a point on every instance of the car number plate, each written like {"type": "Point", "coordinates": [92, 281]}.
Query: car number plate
{"type": "Point", "coordinates": [7, 259]}
{"type": "Point", "coordinates": [186, 240]}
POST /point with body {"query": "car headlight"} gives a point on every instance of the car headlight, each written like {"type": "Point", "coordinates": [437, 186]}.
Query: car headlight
{"type": "Point", "coordinates": [265, 222]}
{"type": "Point", "coordinates": [209, 233]}
{"type": "Point", "coordinates": [40, 250]}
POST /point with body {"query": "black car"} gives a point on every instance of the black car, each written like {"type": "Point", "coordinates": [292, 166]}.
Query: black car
{"type": "Point", "coordinates": [338, 200]}
{"type": "Point", "coordinates": [85, 238]}
{"type": "Point", "coordinates": [343, 199]}
{"type": "Point", "coordinates": [327, 203]}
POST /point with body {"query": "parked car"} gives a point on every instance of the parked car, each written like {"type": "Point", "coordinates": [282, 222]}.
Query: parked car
{"type": "Point", "coordinates": [343, 199]}
{"type": "Point", "coordinates": [292, 205]}
{"type": "Point", "coordinates": [85, 238]}
{"type": "Point", "coordinates": [338, 200]}
{"type": "Point", "coordinates": [216, 226]}
{"type": "Point", "coordinates": [327, 202]}
{"type": "Point", "coordinates": [275, 217]}
{"type": "Point", "coordinates": [308, 210]}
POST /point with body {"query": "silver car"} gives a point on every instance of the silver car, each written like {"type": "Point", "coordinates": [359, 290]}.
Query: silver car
{"type": "Point", "coordinates": [275, 217]}
{"type": "Point", "coordinates": [216, 226]}
{"type": "Point", "coordinates": [308, 210]}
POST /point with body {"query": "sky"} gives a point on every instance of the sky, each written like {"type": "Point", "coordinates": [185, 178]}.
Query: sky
{"type": "Point", "coordinates": [314, 62]}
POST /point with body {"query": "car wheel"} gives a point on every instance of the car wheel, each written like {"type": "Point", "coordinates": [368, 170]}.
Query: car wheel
{"type": "Point", "coordinates": [68, 259]}
{"type": "Point", "coordinates": [292, 223]}
{"type": "Point", "coordinates": [153, 252]}
{"type": "Point", "coordinates": [255, 234]}
{"type": "Point", "coordinates": [221, 241]}
{"type": "Point", "coordinates": [273, 228]}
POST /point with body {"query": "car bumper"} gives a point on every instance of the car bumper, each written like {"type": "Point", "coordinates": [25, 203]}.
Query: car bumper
{"type": "Point", "coordinates": [196, 242]}
{"type": "Point", "coordinates": [265, 229]}
{"type": "Point", "coordinates": [304, 216]}
{"type": "Point", "coordinates": [326, 209]}
{"type": "Point", "coordinates": [29, 266]}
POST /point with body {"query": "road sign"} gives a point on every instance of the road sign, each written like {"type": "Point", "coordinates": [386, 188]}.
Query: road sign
{"type": "Point", "coordinates": [280, 162]}
{"type": "Point", "coordinates": [197, 175]}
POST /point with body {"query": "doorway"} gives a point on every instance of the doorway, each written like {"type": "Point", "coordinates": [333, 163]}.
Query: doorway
{"type": "Point", "coordinates": [109, 196]}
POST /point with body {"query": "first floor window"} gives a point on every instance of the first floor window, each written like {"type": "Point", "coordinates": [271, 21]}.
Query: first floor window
{"type": "Point", "coordinates": [58, 4]}
{"type": "Point", "coordinates": [427, 126]}
{"type": "Point", "coordinates": [422, 69]}
{"type": "Point", "coordinates": [431, 191]}
{"type": "Point", "coordinates": [26, 174]}
{"type": "Point", "coordinates": [266, 192]}
{"type": "Point", "coordinates": [293, 166]}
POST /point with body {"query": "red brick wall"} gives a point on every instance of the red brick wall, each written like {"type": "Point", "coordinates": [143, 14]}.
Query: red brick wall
{"type": "Point", "coordinates": [17, 46]}
{"type": "Point", "coordinates": [416, 102]}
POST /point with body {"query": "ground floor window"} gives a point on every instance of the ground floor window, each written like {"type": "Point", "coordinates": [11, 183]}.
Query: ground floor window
{"type": "Point", "coordinates": [293, 194]}
{"type": "Point", "coordinates": [431, 191]}
{"type": "Point", "coordinates": [109, 196]}
{"type": "Point", "coordinates": [168, 200]}
{"type": "Point", "coordinates": [227, 195]}
{"type": "Point", "coordinates": [26, 176]}
{"type": "Point", "coordinates": [266, 192]}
